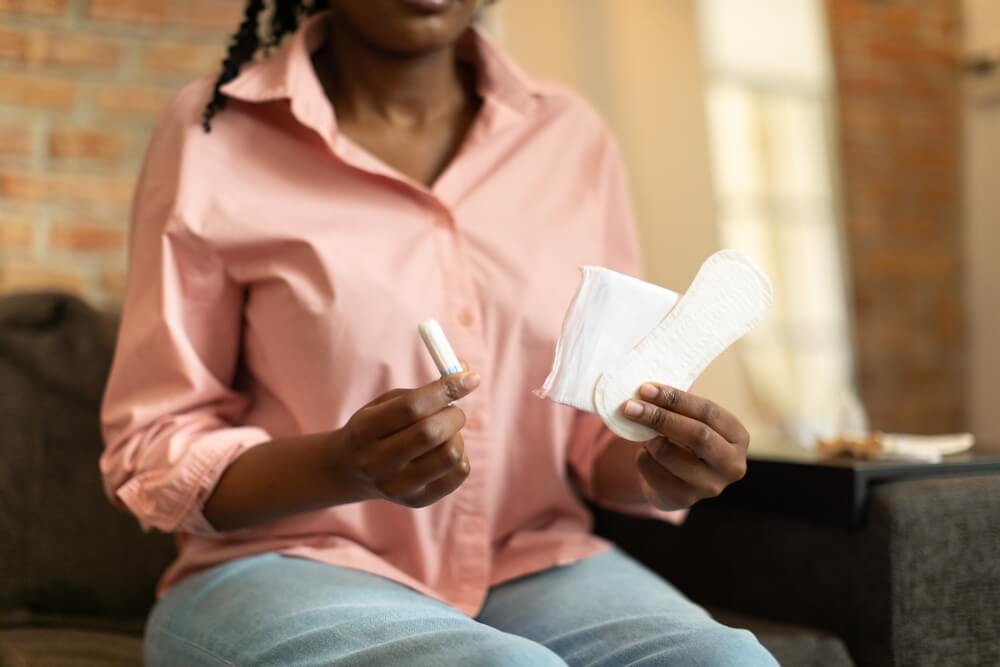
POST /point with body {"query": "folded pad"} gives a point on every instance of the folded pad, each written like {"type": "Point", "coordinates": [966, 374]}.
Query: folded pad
{"type": "Point", "coordinates": [620, 332]}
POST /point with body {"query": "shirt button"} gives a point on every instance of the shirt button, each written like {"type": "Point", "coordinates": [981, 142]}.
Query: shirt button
{"type": "Point", "coordinates": [466, 317]}
{"type": "Point", "coordinates": [473, 423]}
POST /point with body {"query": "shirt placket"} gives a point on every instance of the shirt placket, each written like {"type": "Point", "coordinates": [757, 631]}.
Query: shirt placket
{"type": "Point", "coordinates": [470, 557]}
{"type": "Point", "coordinates": [468, 554]}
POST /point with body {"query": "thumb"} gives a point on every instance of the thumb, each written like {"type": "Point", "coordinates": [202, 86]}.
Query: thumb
{"type": "Point", "coordinates": [455, 386]}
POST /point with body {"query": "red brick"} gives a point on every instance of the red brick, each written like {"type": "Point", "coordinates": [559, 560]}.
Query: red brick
{"type": "Point", "coordinates": [16, 276]}
{"type": "Point", "coordinates": [42, 92]}
{"type": "Point", "coordinates": [86, 236]}
{"type": "Point", "coordinates": [13, 44]}
{"type": "Point", "coordinates": [179, 58]}
{"type": "Point", "coordinates": [57, 48]}
{"type": "Point", "coordinates": [84, 51]}
{"type": "Point", "coordinates": [928, 120]}
{"type": "Point", "coordinates": [34, 7]}
{"type": "Point", "coordinates": [933, 154]}
{"type": "Point", "coordinates": [129, 11]}
{"type": "Point", "coordinates": [908, 53]}
{"type": "Point", "coordinates": [217, 15]}
{"type": "Point", "coordinates": [863, 85]}
{"type": "Point", "coordinates": [60, 187]}
{"type": "Point", "coordinates": [948, 320]}
{"type": "Point", "coordinates": [901, 263]}
{"type": "Point", "coordinates": [15, 140]}
{"type": "Point", "coordinates": [16, 232]}
{"type": "Point", "coordinates": [133, 99]}
{"type": "Point", "coordinates": [863, 121]}
{"type": "Point", "coordinates": [901, 18]}
{"type": "Point", "coordinates": [88, 143]}
{"type": "Point", "coordinates": [849, 11]}
{"type": "Point", "coordinates": [919, 229]}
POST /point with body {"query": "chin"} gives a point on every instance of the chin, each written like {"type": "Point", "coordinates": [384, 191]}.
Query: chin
{"type": "Point", "coordinates": [408, 27]}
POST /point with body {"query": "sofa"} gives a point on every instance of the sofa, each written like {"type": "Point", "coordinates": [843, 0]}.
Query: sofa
{"type": "Point", "coordinates": [77, 576]}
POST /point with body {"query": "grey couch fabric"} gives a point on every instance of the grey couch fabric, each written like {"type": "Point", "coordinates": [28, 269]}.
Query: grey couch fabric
{"type": "Point", "coordinates": [63, 549]}
{"type": "Point", "coordinates": [942, 557]}
{"type": "Point", "coordinates": [917, 584]}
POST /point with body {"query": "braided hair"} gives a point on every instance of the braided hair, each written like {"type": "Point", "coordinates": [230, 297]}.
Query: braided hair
{"type": "Point", "coordinates": [247, 42]}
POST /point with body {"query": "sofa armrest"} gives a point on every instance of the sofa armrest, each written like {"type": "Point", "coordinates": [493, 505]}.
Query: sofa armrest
{"type": "Point", "coordinates": [938, 541]}
{"type": "Point", "coordinates": [917, 583]}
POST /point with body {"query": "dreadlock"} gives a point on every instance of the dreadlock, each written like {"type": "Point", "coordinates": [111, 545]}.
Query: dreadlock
{"type": "Point", "coordinates": [247, 42]}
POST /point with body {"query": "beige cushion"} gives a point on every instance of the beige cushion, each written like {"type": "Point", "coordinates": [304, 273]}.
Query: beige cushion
{"type": "Point", "coordinates": [37, 647]}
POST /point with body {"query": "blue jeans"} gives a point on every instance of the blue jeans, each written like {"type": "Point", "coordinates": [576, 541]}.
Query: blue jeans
{"type": "Point", "coordinates": [276, 610]}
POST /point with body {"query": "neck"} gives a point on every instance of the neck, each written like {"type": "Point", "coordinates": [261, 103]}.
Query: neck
{"type": "Point", "coordinates": [365, 82]}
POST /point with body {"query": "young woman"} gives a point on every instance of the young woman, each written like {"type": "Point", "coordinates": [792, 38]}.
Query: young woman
{"type": "Point", "coordinates": [386, 165]}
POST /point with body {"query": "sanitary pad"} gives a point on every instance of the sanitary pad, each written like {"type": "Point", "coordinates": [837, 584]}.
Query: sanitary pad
{"type": "Point", "coordinates": [620, 332]}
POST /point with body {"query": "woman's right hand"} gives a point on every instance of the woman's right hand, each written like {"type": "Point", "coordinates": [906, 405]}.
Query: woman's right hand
{"type": "Point", "coordinates": [406, 446]}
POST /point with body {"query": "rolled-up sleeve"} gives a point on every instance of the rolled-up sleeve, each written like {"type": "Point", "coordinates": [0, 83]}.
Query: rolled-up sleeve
{"type": "Point", "coordinates": [621, 244]}
{"type": "Point", "coordinates": [171, 420]}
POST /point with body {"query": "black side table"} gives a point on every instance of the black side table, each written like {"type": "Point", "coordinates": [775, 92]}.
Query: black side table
{"type": "Point", "coordinates": [835, 491]}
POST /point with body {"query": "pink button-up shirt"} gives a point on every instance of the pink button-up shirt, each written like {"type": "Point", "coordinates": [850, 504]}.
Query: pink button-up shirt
{"type": "Point", "coordinates": [277, 275]}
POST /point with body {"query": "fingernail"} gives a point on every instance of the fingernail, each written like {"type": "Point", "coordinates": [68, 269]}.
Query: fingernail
{"type": "Point", "coordinates": [470, 381]}
{"type": "Point", "coordinates": [648, 391]}
{"type": "Point", "coordinates": [632, 409]}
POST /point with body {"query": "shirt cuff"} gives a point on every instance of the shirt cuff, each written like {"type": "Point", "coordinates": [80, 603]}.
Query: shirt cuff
{"type": "Point", "coordinates": [172, 498]}
{"type": "Point", "coordinates": [647, 511]}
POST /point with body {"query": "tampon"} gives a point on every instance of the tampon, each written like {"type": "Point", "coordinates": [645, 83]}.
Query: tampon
{"type": "Point", "coordinates": [444, 357]}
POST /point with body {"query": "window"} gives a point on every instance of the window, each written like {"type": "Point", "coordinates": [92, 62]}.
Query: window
{"type": "Point", "coordinates": [769, 96]}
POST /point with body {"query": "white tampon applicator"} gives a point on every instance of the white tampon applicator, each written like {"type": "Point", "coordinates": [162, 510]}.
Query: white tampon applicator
{"type": "Point", "coordinates": [444, 357]}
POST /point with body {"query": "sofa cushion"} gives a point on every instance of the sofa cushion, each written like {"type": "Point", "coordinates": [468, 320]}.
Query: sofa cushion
{"type": "Point", "coordinates": [51, 648]}
{"type": "Point", "coordinates": [63, 548]}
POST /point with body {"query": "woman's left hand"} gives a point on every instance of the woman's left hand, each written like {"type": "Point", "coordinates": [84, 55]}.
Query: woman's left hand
{"type": "Point", "coordinates": [701, 450]}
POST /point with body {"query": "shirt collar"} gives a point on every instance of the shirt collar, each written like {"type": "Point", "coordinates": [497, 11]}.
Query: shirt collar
{"type": "Point", "coordinates": [289, 74]}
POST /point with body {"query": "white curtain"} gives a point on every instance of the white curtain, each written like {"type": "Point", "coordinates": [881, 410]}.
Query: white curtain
{"type": "Point", "coordinates": [769, 98]}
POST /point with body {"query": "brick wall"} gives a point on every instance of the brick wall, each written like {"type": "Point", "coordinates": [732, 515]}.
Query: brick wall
{"type": "Point", "coordinates": [81, 83]}
{"type": "Point", "coordinates": [900, 138]}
